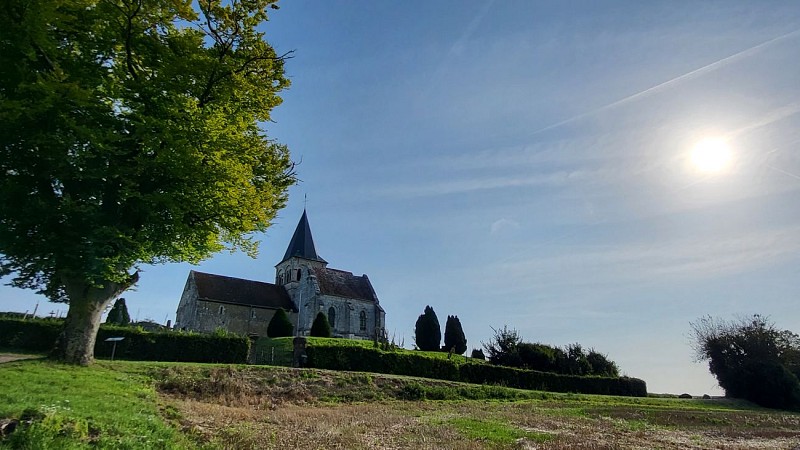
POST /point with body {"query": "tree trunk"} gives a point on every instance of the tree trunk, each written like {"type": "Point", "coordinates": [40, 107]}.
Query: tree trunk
{"type": "Point", "coordinates": [75, 344]}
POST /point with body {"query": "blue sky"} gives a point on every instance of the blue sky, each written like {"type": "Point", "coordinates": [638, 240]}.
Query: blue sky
{"type": "Point", "coordinates": [526, 164]}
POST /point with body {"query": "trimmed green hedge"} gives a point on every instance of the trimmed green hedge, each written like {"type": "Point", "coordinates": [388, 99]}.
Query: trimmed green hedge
{"type": "Point", "coordinates": [138, 345]}
{"type": "Point", "coordinates": [402, 363]}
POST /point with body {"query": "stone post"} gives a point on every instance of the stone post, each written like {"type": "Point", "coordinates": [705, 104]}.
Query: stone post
{"type": "Point", "coordinates": [299, 354]}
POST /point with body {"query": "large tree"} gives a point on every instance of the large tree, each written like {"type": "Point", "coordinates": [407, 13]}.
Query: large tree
{"type": "Point", "coordinates": [751, 359]}
{"type": "Point", "coordinates": [130, 134]}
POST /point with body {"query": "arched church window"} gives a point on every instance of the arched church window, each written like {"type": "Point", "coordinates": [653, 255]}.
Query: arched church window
{"type": "Point", "coordinates": [362, 321]}
{"type": "Point", "coordinates": [280, 277]}
{"type": "Point", "coordinates": [298, 274]}
{"type": "Point", "coordinates": [221, 310]}
{"type": "Point", "coordinates": [332, 317]}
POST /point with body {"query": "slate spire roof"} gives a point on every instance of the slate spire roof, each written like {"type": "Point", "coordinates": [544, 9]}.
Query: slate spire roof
{"type": "Point", "coordinates": [302, 244]}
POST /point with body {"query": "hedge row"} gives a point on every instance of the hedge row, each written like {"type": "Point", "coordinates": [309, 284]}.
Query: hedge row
{"type": "Point", "coordinates": [399, 363]}
{"type": "Point", "coordinates": [138, 345]}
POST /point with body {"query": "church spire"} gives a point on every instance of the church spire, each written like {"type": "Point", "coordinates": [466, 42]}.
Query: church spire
{"type": "Point", "coordinates": [302, 244]}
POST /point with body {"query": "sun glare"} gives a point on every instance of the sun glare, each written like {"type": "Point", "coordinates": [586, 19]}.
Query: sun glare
{"type": "Point", "coordinates": [711, 156]}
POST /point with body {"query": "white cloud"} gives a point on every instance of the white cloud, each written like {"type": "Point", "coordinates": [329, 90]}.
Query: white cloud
{"type": "Point", "coordinates": [502, 225]}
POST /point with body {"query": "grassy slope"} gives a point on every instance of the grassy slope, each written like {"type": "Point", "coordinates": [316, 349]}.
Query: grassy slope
{"type": "Point", "coordinates": [74, 407]}
{"type": "Point", "coordinates": [144, 405]}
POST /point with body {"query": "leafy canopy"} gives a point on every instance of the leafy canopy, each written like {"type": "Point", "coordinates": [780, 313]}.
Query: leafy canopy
{"type": "Point", "coordinates": [751, 359]}
{"type": "Point", "coordinates": [129, 134]}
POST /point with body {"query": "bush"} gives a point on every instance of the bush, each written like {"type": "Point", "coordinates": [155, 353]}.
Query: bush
{"type": "Point", "coordinates": [751, 359]}
{"type": "Point", "coordinates": [503, 349]}
{"type": "Point", "coordinates": [138, 345]}
{"type": "Point", "coordinates": [427, 331]}
{"type": "Point", "coordinates": [321, 327]}
{"type": "Point", "coordinates": [539, 356]}
{"type": "Point", "coordinates": [279, 325]}
{"type": "Point", "coordinates": [366, 359]}
{"type": "Point", "coordinates": [478, 354]}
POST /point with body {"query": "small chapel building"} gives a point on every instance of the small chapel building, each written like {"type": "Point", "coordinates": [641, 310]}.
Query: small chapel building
{"type": "Point", "coordinates": [304, 286]}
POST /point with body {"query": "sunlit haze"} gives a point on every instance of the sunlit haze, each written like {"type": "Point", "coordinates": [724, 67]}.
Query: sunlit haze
{"type": "Point", "coordinates": [712, 156]}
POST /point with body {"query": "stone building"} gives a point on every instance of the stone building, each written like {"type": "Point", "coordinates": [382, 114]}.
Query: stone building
{"type": "Point", "coordinates": [304, 285]}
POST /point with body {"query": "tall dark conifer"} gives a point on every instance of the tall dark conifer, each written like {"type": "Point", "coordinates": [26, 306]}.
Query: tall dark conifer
{"type": "Point", "coordinates": [454, 337]}
{"type": "Point", "coordinates": [427, 332]}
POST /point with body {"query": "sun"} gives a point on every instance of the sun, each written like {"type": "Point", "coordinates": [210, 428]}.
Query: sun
{"type": "Point", "coordinates": [712, 156]}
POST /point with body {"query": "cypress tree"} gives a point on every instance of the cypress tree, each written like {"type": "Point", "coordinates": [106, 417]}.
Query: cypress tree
{"type": "Point", "coordinates": [321, 327]}
{"type": "Point", "coordinates": [119, 314]}
{"type": "Point", "coordinates": [427, 332]}
{"type": "Point", "coordinates": [454, 337]}
{"type": "Point", "coordinates": [279, 325]}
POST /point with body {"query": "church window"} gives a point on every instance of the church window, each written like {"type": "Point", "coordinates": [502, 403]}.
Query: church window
{"type": "Point", "coordinates": [298, 274]}
{"type": "Point", "coordinates": [252, 313]}
{"type": "Point", "coordinates": [221, 310]}
{"type": "Point", "coordinates": [332, 317]}
{"type": "Point", "coordinates": [280, 277]}
{"type": "Point", "coordinates": [362, 321]}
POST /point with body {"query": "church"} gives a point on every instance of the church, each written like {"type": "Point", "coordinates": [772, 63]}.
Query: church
{"type": "Point", "coordinates": [304, 286]}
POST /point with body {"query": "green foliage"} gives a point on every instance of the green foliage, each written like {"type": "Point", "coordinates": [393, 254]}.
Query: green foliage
{"type": "Point", "coordinates": [321, 327]}
{"type": "Point", "coordinates": [39, 336]}
{"type": "Point", "coordinates": [503, 349]}
{"type": "Point", "coordinates": [601, 365]}
{"type": "Point", "coordinates": [119, 314]}
{"type": "Point", "coordinates": [420, 364]}
{"type": "Point", "coordinates": [507, 349]}
{"type": "Point", "coordinates": [427, 332]}
{"type": "Point", "coordinates": [130, 134]}
{"type": "Point", "coordinates": [751, 359]}
{"type": "Point", "coordinates": [454, 338]}
{"type": "Point", "coordinates": [477, 354]}
{"type": "Point", "coordinates": [279, 325]}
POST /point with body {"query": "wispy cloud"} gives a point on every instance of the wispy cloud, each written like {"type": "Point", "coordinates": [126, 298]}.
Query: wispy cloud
{"type": "Point", "coordinates": [501, 225]}
{"type": "Point", "coordinates": [467, 184]}
{"type": "Point", "coordinates": [666, 260]}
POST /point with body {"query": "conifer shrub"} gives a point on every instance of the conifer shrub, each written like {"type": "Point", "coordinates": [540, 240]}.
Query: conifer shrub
{"type": "Point", "coordinates": [427, 331]}
{"type": "Point", "coordinates": [119, 314]}
{"type": "Point", "coordinates": [321, 327]}
{"type": "Point", "coordinates": [280, 325]}
{"type": "Point", "coordinates": [477, 354]}
{"type": "Point", "coordinates": [454, 338]}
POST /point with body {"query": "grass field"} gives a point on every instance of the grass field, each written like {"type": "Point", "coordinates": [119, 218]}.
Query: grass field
{"type": "Point", "coordinates": [136, 405]}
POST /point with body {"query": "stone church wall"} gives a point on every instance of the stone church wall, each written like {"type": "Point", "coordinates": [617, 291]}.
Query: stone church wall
{"type": "Point", "coordinates": [348, 316]}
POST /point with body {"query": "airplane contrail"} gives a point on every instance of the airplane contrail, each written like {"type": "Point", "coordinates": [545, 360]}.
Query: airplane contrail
{"type": "Point", "coordinates": [689, 75]}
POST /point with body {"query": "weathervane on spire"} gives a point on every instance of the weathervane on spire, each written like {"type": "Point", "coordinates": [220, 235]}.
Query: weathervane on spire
{"type": "Point", "coordinates": [305, 201]}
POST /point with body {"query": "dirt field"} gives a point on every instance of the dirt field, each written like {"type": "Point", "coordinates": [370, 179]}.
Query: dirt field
{"type": "Point", "coordinates": [311, 410]}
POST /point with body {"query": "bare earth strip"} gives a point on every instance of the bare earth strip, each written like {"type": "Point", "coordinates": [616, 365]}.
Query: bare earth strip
{"type": "Point", "coordinates": [8, 357]}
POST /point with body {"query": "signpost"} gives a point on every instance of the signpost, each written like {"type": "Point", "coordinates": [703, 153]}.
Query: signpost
{"type": "Point", "coordinates": [114, 340]}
